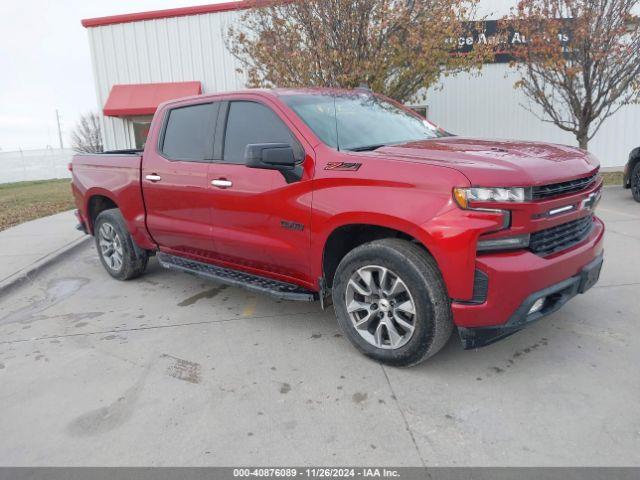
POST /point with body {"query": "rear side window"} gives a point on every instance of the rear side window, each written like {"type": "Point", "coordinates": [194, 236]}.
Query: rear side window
{"type": "Point", "coordinates": [251, 122]}
{"type": "Point", "coordinates": [189, 132]}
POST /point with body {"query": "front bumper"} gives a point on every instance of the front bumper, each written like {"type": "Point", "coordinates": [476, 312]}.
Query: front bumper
{"type": "Point", "coordinates": [516, 280]}
{"type": "Point", "coordinates": [554, 297]}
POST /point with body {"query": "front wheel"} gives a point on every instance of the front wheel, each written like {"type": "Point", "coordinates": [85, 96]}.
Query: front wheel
{"type": "Point", "coordinates": [119, 255]}
{"type": "Point", "coordinates": [635, 182]}
{"type": "Point", "coordinates": [391, 302]}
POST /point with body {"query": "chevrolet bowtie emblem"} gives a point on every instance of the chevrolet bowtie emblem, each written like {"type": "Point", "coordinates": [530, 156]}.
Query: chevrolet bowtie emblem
{"type": "Point", "coordinates": [591, 201]}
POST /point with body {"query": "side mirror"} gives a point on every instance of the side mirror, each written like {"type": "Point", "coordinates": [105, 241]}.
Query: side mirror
{"type": "Point", "coordinates": [270, 156]}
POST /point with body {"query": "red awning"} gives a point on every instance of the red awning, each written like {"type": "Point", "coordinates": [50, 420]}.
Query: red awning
{"type": "Point", "coordinates": [144, 98]}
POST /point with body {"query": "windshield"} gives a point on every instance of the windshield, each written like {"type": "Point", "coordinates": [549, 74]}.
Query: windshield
{"type": "Point", "coordinates": [359, 121]}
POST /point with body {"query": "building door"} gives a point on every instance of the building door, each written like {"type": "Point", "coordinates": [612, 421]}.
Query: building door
{"type": "Point", "coordinates": [175, 181]}
{"type": "Point", "coordinates": [261, 221]}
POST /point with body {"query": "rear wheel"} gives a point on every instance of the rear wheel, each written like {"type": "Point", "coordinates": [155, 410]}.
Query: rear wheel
{"type": "Point", "coordinates": [635, 182]}
{"type": "Point", "coordinates": [391, 302]}
{"type": "Point", "coordinates": [119, 255]}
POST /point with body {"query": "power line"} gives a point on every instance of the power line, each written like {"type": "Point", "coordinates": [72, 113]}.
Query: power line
{"type": "Point", "coordinates": [59, 129]}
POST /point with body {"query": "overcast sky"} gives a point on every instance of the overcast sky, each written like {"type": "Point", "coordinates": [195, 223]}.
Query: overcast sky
{"type": "Point", "coordinates": [45, 64]}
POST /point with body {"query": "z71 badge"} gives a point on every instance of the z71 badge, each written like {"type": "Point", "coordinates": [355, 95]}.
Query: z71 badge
{"type": "Point", "coordinates": [344, 166]}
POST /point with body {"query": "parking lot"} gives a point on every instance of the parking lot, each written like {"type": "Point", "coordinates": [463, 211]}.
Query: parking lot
{"type": "Point", "coordinates": [172, 370]}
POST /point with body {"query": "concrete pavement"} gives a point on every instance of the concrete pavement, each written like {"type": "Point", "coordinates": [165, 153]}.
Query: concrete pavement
{"type": "Point", "coordinates": [29, 246]}
{"type": "Point", "coordinates": [171, 370]}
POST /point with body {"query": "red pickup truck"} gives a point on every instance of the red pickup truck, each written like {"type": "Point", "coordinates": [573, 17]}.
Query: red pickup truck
{"type": "Point", "coordinates": [349, 198]}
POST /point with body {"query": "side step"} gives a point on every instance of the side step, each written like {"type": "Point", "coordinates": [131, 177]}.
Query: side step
{"type": "Point", "coordinates": [255, 283]}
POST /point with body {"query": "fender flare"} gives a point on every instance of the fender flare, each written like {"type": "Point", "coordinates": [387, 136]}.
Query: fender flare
{"type": "Point", "coordinates": [370, 219]}
{"type": "Point", "coordinates": [89, 195]}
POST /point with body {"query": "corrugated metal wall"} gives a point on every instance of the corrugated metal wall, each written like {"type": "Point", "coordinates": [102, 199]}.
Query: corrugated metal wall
{"type": "Point", "coordinates": [489, 106]}
{"type": "Point", "coordinates": [165, 50]}
{"type": "Point", "coordinates": [193, 48]}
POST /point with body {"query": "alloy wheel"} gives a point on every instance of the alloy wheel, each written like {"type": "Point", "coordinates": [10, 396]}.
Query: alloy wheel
{"type": "Point", "coordinates": [110, 246]}
{"type": "Point", "coordinates": [380, 307]}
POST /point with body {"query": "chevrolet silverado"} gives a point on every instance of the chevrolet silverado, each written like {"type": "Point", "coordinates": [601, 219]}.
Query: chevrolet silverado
{"type": "Point", "coordinates": [349, 198]}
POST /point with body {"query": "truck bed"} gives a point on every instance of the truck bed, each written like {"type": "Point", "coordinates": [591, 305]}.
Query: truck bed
{"type": "Point", "coordinates": [110, 177]}
{"type": "Point", "coordinates": [114, 152]}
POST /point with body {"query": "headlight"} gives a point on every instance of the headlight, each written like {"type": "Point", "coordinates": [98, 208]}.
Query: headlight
{"type": "Point", "coordinates": [464, 196]}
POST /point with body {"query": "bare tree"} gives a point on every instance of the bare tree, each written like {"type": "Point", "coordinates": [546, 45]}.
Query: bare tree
{"type": "Point", "coordinates": [395, 47]}
{"type": "Point", "coordinates": [87, 135]}
{"type": "Point", "coordinates": [579, 61]}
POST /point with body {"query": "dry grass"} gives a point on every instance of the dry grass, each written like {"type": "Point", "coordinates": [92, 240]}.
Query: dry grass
{"type": "Point", "coordinates": [24, 201]}
{"type": "Point", "coordinates": [612, 178]}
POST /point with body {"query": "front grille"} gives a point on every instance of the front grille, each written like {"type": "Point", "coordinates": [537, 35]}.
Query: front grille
{"type": "Point", "coordinates": [563, 188]}
{"type": "Point", "coordinates": [554, 239]}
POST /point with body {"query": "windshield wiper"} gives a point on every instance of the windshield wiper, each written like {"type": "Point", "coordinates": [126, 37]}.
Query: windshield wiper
{"type": "Point", "coordinates": [367, 148]}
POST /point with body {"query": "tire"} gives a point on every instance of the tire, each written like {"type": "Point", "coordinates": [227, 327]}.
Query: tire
{"type": "Point", "coordinates": [423, 332]}
{"type": "Point", "coordinates": [118, 253]}
{"type": "Point", "coordinates": [635, 182]}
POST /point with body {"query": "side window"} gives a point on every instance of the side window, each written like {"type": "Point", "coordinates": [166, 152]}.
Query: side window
{"type": "Point", "coordinates": [189, 132]}
{"type": "Point", "coordinates": [252, 122]}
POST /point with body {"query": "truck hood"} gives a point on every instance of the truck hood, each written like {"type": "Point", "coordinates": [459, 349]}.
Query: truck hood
{"type": "Point", "coordinates": [499, 162]}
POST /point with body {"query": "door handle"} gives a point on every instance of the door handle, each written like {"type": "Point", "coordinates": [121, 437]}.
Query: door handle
{"type": "Point", "coordinates": [153, 178]}
{"type": "Point", "coordinates": [222, 183]}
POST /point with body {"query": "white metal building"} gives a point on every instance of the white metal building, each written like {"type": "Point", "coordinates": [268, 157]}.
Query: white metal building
{"type": "Point", "coordinates": [142, 59]}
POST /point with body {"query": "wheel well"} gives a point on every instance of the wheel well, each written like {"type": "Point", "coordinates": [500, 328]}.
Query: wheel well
{"type": "Point", "coordinates": [344, 239]}
{"type": "Point", "coordinates": [98, 204]}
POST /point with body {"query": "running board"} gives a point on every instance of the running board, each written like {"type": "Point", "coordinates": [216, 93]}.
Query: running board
{"type": "Point", "coordinates": [236, 278]}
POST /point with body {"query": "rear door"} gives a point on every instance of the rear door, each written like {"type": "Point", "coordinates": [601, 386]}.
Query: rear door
{"type": "Point", "coordinates": [261, 220]}
{"type": "Point", "coordinates": [175, 180]}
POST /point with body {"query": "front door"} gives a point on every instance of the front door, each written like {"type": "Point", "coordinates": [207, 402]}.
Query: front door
{"type": "Point", "coordinates": [260, 219]}
{"type": "Point", "coordinates": [175, 180]}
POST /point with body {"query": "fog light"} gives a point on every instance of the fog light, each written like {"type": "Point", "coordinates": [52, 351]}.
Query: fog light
{"type": "Point", "coordinates": [504, 243]}
{"type": "Point", "coordinates": [537, 306]}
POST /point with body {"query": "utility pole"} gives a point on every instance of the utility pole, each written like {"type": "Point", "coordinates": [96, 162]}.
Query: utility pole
{"type": "Point", "coordinates": [59, 130]}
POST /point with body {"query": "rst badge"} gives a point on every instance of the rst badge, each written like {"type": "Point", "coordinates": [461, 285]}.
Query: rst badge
{"type": "Point", "coordinates": [286, 224]}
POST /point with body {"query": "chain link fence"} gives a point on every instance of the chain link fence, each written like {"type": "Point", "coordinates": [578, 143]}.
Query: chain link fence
{"type": "Point", "coordinates": [29, 165]}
